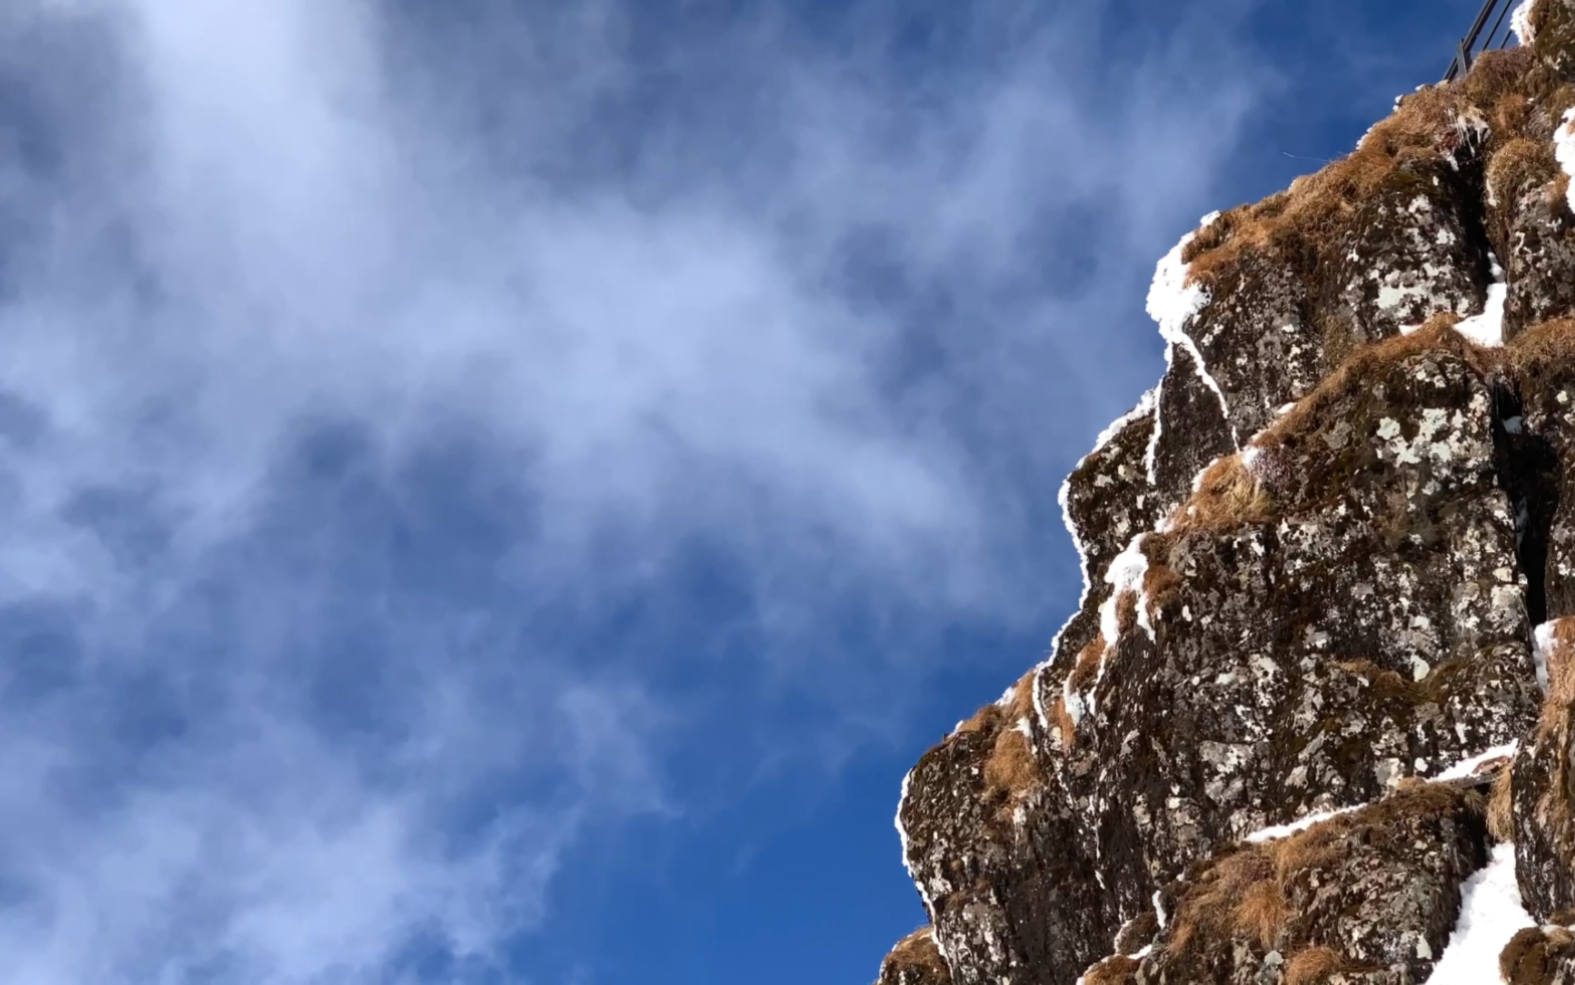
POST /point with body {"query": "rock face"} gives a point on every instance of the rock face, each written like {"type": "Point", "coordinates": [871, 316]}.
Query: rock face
{"type": "Point", "coordinates": [1370, 895]}
{"type": "Point", "coordinates": [1543, 790]}
{"type": "Point", "coordinates": [1319, 555]}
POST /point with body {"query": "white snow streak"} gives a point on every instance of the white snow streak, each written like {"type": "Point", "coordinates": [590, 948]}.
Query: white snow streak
{"type": "Point", "coordinates": [1490, 914]}
{"type": "Point", "coordinates": [1172, 302]}
{"type": "Point", "coordinates": [1283, 830]}
{"type": "Point", "coordinates": [924, 893]}
{"type": "Point", "coordinates": [1464, 768]}
{"type": "Point", "coordinates": [1468, 767]}
{"type": "Point", "coordinates": [1152, 451]}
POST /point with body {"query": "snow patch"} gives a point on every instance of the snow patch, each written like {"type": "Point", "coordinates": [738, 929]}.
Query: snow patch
{"type": "Point", "coordinates": [1545, 643]}
{"type": "Point", "coordinates": [1520, 22]}
{"type": "Point", "coordinates": [1125, 575]}
{"type": "Point", "coordinates": [1487, 328]}
{"type": "Point", "coordinates": [1490, 914]}
{"type": "Point", "coordinates": [1564, 150]}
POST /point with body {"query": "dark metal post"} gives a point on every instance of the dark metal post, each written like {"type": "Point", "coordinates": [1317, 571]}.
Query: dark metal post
{"type": "Point", "coordinates": [1462, 60]}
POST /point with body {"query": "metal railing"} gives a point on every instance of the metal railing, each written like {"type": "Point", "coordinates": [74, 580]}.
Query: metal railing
{"type": "Point", "coordinates": [1475, 43]}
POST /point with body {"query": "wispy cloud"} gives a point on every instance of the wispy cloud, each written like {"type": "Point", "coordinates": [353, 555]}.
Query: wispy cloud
{"type": "Point", "coordinates": [360, 366]}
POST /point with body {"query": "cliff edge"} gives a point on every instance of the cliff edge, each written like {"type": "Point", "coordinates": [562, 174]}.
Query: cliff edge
{"type": "Point", "coordinates": [1314, 719]}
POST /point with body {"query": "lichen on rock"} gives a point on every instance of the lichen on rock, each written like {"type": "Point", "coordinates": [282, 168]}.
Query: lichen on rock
{"type": "Point", "coordinates": [1315, 557]}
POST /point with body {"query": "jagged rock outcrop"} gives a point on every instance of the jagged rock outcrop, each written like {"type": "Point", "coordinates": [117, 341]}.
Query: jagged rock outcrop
{"type": "Point", "coordinates": [1317, 555]}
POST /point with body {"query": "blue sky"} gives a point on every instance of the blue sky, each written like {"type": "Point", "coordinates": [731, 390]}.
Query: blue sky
{"type": "Point", "coordinates": [501, 491]}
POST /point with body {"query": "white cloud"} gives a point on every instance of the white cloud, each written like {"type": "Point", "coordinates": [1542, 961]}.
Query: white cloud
{"type": "Point", "coordinates": [235, 220]}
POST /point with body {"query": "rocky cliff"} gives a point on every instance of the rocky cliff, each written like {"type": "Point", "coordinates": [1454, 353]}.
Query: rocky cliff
{"type": "Point", "coordinates": [1314, 719]}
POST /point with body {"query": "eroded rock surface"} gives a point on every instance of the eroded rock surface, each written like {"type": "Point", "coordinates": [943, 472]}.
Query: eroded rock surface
{"type": "Point", "coordinates": [1367, 896]}
{"type": "Point", "coordinates": [1316, 556]}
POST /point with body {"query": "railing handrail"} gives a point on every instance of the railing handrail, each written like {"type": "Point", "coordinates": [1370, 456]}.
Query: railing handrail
{"type": "Point", "coordinates": [1467, 49]}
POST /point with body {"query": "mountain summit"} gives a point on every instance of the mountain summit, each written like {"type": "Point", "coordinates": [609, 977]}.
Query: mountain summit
{"type": "Point", "coordinates": [1314, 719]}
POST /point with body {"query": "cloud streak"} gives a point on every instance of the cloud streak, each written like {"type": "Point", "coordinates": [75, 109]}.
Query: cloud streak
{"type": "Point", "coordinates": [360, 367]}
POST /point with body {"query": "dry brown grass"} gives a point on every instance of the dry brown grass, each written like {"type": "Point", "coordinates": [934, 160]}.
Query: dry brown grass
{"type": "Point", "coordinates": [918, 951]}
{"type": "Point", "coordinates": [1314, 966]}
{"type": "Point", "coordinates": [1262, 912]}
{"type": "Point", "coordinates": [1529, 955]}
{"type": "Point", "coordinates": [1087, 666]}
{"type": "Point", "coordinates": [1496, 74]}
{"type": "Point", "coordinates": [1427, 125]}
{"type": "Point", "coordinates": [1021, 705]}
{"type": "Point", "coordinates": [1552, 809]}
{"type": "Point", "coordinates": [1558, 191]}
{"type": "Point", "coordinates": [1061, 724]}
{"type": "Point", "coordinates": [1244, 893]}
{"type": "Point", "coordinates": [1211, 905]}
{"type": "Point", "coordinates": [1545, 347]}
{"type": "Point", "coordinates": [987, 718]}
{"type": "Point", "coordinates": [1011, 771]}
{"type": "Point", "coordinates": [1501, 807]}
{"type": "Point", "coordinates": [1511, 115]}
{"type": "Point", "coordinates": [1518, 167]}
{"type": "Point", "coordinates": [1115, 970]}
{"type": "Point", "coordinates": [993, 715]}
{"type": "Point", "coordinates": [1368, 363]}
{"type": "Point", "coordinates": [1160, 582]}
{"type": "Point", "coordinates": [1228, 495]}
{"type": "Point", "coordinates": [1538, 19]}
{"type": "Point", "coordinates": [1561, 665]}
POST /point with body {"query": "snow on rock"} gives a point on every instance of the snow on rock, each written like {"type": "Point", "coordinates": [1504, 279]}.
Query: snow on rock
{"type": "Point", "coordinates": [1469, 767]}
{"type": "Point", "coordinates": [1316, 643]}
{"type": "Point", "coordinates": [1283, 830]}
{"type": "Point", "coordinates": [1520, 22]}
{"type": "Point", "coordinates": [1564, 150]}
{"type": "Point", "coordinates": [1171, 299]}
{"type": "Point", "coordinates": [1125, 576]}
{"type": "Point", "coordinates": [1545, 642]}
{"type": "Point", "coordinates": [1487, 328]}
{"type": "Point", "coordinates": [1172, 303]}
{"type": "Point", "coordinates": [1145, 405]}
{"type": "Point", "coordinates": [1490, 914]}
